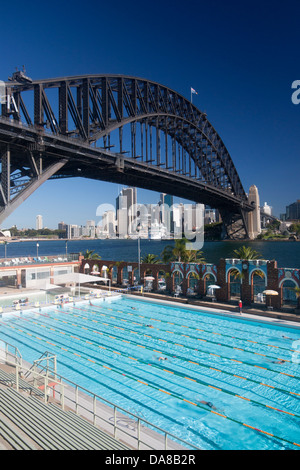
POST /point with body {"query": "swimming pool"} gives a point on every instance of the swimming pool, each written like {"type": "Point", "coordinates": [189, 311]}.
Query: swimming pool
{"type": "Point", "coordinates": [113, 348]}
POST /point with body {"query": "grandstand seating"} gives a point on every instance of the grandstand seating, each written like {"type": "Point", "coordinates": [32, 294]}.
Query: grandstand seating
{"type": "Point", "coordinates": [27, 423]}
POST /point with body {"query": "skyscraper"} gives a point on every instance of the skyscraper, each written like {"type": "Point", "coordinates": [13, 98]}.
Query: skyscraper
{"type": "Point", "coordinates": [166, 212]}
{"type": "Point", "coordinates": [39, 222]}
{"type": "Point", "coordinates": [293, 211]}
{"type": "Point", "coordinates": [126, 208]}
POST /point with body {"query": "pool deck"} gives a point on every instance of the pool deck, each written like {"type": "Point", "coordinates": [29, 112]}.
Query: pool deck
{"type": "Point", "coordinates": [8, 292]}
{"type": "Point", "coordinates": [127, 426]}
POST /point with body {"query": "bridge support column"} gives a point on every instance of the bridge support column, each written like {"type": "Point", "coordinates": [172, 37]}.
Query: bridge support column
{"type": "Point", "coordinates": [8, 206]}
{"type": "Point", "coordinates": [5, 176]}
{"type": "Point", "coordinates": [235, 226]}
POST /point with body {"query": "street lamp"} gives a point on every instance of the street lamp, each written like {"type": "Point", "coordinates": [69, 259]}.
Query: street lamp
{"type": "Point", "coordinates": [66, 247]}
{"type": "Point", "coordinates": [5, 245]}
{"type": "Point", "coordinates": [37, 250]}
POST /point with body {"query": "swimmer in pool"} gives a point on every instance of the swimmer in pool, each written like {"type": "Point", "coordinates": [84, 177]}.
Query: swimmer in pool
{"type": "Point", "coordinates": [162, 358]}
{"type": "Point", "coordinates": [286, 337]}
{"type": "Point", "coordinates": [280, 361]}
{"type": "Point", "coordinates": [209, 404]}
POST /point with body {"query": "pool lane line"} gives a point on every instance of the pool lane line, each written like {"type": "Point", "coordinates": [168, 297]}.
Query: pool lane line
{"type": "Point", "coordinates": [203, 340]}
{"type": "Point", "coordinates": [130, 398]}
{"type": "Point", "coordinates": [181, 358]}
{"type": "Point", "coordinates": [195, 329]}
{"type": "Point", "coordinates": [151, 385]}
{"type": "Point", "coordinates": [185, 346]}
{"type": "Point", "coordinates": [193, 312]}
{"type": "Point", "coordinates": [179, 374]}
{"type": "Point", "coordinates": [187, 336]}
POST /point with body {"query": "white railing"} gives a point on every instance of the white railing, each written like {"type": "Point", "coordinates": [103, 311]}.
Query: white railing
{"type": "Point", "coordinates": [115, 420]}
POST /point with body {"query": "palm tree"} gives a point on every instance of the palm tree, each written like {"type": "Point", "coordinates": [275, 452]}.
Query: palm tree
{"type": "Point", "coordinates": [245, 252]}
{"type": "Point", "coordinates": [150, 259]}
{"type": "Point", "coordinates": [237, 275]}
{"type": "Point", "coordinates": [167, 254]}
{"type": "Point", "coordinates": [90, 254]}
{"type": "Point", "coordinates": [194, 256]}
{"type": "Point", "coordinates": [178, 252]}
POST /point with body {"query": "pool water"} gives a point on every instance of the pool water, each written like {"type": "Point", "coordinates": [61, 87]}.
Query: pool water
{"type": "Point", "coordinates": [113, 348]}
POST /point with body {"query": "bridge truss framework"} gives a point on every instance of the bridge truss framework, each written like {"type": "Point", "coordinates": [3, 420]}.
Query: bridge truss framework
{"type": "Point", "coordinates": [120, 129]}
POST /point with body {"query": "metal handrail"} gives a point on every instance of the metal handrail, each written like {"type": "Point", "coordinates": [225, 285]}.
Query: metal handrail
{"type": "Point", "coordinates": [77, 403]}
{"type": "Point", "coordinates": [117, 430]}
{"type": "Point", "coordinates": [16, 354]}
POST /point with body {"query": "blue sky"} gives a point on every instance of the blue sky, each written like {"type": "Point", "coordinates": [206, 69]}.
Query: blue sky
{"type": "Point", "coordinates": [240, 56]}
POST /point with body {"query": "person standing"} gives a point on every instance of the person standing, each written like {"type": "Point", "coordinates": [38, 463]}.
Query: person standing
{"type": "Point", "coordinates": [240, 306]}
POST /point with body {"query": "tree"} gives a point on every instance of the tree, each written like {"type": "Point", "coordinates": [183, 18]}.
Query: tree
{"type": "Point", "coordinates": [246, 252]}
{"type": "Point", "coordinates": [90, 254]}
{"type": "Point", "coordinates": [167, 254]}
{"type": "Point", "coordinates": [295, 228]}
{"type": "Point", "coordinates": [194, 256]}
{"type": "Point", "coordinates": [150, 259]}
{"type": "Point", "coordinates": [178, 252]}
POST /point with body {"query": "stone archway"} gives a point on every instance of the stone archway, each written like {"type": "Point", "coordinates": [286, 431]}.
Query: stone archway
{"type": "Point", "coordinates": [288, 294]}
{"type": "Point", "coordinates": [258, 282]}
{"type": "Point", "coordinates": [234, 278]}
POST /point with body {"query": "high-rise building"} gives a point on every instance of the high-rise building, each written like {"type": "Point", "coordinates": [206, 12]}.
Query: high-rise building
{"type": "Point", "coordinates": [73, 231]}
{"type": "Point", "coordinates": [108, 223]}
{"type": "Point", "coordinates": [166, 212]}
{"type": "Point", "coordinates": [293, 211]}
{"type": "Point", "coordinates": [90, 228]}
{"type": "Point", "coordinates": [126, 211]}
{"type": "Point", "coordinates": [267, 209]}
{"type": "Point", "coordinates": [39, 222]}
{"type": "Point", "coordinates": [254, 223]}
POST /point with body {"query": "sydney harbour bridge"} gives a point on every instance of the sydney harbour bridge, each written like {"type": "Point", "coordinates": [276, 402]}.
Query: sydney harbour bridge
{"type": "Point", "coordinates": [115, 128]}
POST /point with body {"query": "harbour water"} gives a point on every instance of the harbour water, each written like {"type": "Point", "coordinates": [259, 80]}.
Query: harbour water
{"type": "Point", "coordinates": [286, 253]}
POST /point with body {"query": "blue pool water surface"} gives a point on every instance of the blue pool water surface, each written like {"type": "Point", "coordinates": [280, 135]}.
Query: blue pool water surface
{"type": "Point", "coordinates": [113, 348]}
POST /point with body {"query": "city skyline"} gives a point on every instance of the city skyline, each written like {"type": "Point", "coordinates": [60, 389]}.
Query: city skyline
{"type": "Point", "coordinates": [240, 59]}
{"type": "Point", "coordinates": [130, 208]}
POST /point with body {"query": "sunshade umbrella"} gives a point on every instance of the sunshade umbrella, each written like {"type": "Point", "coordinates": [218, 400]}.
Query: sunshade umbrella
{"type": "Point", "coordinates": [149, 278]}
{"type": "Point", "coordinates": [211, 289]}
{"type": "Point", "coordinates": [270, 292]}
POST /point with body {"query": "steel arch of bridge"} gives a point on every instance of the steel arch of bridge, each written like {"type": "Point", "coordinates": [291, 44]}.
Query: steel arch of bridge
{"type": "Point", "coordinates": [119, 129]}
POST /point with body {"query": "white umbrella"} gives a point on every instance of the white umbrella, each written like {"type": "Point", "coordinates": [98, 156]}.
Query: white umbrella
{"type": "Point", "coordinates": [211, 289]}
{"type": "Point", "coordinates": [149, 278]}
{"type": "Point", "coordinates": [270, 292]}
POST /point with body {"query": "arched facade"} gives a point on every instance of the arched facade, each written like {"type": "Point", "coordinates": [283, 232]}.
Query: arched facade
{"type": "Point", "coordinates": [253, 277]}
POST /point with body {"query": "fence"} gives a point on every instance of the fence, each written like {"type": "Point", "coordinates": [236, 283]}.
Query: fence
{"type": "Point", "coordinates": [120, 423]}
